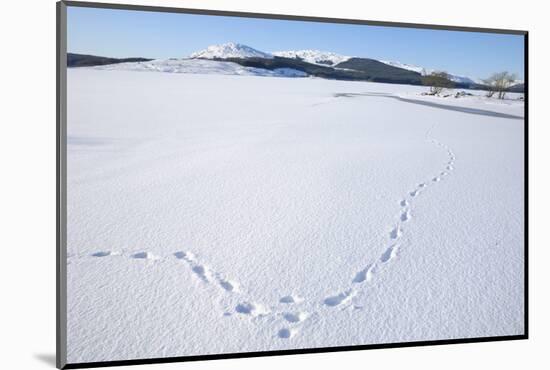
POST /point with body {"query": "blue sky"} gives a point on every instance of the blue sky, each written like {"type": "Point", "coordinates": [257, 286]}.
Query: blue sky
{"type": "Point", "coordinates": [127, 33]}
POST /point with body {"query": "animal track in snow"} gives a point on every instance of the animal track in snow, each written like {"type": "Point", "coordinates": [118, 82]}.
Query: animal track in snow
{"type": "Point", "coordinates": [365, 275]}
{"type": "Point", "coordinates": [295, 317]}
{"type": "Point", "coordinates": [202, 272]}
{"type": "Point", "coordinates": [393, 250]}
{"type": "Point", "coordinates": [286, 333]}
{"type": "Point", "coordinates": [145, 256]}
{"type": "Point", "coordinates": [188, 256]}
{"type": "Point", "coordinates": [291, 299]}
{"type": "Point", "coordinates": [230, 286]}
{"type": "Point", "coordinates": [396, 232]}
{"type": "Point", "coordinates": [253, 309]}
{"type": "Point", "coordinates": [339, 299]}
{"type": "Point", "coordinates": [389, 254]}
{"type": "Point", "coordinates": [104, 254]}
{"type": "Point", "coordinates": [205, 273]}
{"type": "Point", "coordinates": [414, 193]}
{"type": "Point", "coordinates": [247, 307]}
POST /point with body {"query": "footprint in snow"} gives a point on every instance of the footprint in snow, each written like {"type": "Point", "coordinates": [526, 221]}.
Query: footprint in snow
{"type": "Point", "coordinates": [295, 317]}
{"type": "Point", "coordinates": [145, 256]}
{"type": "Point", "coordinates": [291, 299]}
{"type": "Point", "coordinates": [104, 254]}
{"type": "Point", "coordinates": [414, 193]}
{"type": "Point", "coordinates": [339, 299]}
{"type": "Point", "coordinates": [203, 272]}
{"type": "Point", "coordinates": [405, 216]}
{"type": "Point", "coordinates": [286, 333]}
{"type": "Point", "coordinates": [364, 275]}
{"type": "Point", "coordinates": [187, 256]}
{"type": "Point", "coordinates": [228, 285]}
{"type": "Point", "coordinates": [252, 309]}
{"type": "Point", "coordinates": [389, 254]}
{"type": "Point", "coordinates": [396, 233]}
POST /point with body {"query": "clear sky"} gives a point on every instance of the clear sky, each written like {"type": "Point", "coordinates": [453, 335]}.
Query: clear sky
{"type": "Point", "coordinates": [127, 33]}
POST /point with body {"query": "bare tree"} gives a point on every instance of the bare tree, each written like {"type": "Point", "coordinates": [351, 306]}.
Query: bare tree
{"type": "Point", "coordinates": [437, 81]}
{"type": "Point", "coordinates": [499, 83]}
{"type": "Point", "coordinates": [490, 90]}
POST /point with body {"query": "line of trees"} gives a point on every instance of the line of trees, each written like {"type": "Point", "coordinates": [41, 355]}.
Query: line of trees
{"type": "Point", "coordinates": [497, 83]}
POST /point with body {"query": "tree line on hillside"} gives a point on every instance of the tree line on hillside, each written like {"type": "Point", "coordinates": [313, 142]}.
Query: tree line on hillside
{"type": "Point", "coordinates": [498, 83]}
{"type": "Point", "coordinates": [84, 60]}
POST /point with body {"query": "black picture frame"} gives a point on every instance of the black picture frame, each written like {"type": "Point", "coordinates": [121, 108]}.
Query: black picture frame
{"type": "Point", "coordinates": [61, 186]}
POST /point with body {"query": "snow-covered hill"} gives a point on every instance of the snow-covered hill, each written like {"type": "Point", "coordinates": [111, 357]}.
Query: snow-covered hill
{"type": "Point", "coordinates": [462, 79]}
{"type": "Point", "coordinates": [313, 56]}
{"type": "Point", "coordinates": [201, 66]}
{"type": "Point", "coordinates": [518, 82]}
{"type": "Point", "coordinates": [423, 71]}
{"type": "Point", "coordinates": [426, 71]}
{"type": "Point", "coordinates": [230, 50]}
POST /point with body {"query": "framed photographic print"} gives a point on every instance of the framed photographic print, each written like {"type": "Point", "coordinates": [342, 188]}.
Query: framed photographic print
{"type": "Point", "coordinates": [235, 184]}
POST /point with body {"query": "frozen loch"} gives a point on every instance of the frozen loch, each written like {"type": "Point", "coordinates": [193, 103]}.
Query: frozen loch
{"type": "Point", "coordinates": [216, 213]}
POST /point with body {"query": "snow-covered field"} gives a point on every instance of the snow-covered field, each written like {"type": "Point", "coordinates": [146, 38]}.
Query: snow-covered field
{"type": "Point", "coordinates": [220, 214]}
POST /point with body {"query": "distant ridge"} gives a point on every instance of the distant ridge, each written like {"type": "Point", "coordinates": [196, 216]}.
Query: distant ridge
{"type": "Point", "coordinates": [84, 60]}
{"type": "Point", "coordinates": [326, 58]}
{"type": "Point", "coordinates": [239, 59]}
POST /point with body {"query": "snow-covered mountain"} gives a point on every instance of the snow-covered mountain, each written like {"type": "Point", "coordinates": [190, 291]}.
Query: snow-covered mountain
{"type": "Point", "coordinates": [230, 50]}
{"type": "Point", "coordinates": [313, 56]}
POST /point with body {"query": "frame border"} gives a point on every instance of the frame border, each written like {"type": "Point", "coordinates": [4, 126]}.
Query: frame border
{"type": "Point", "coordinates": [61, 186]}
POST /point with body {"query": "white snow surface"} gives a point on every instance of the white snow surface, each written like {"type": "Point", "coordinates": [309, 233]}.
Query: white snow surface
{"type": "Point", "coordinates": [221, 214]}
{"type": "Point", "coordinates": [314, 56]}
{"type": "Point", "coordinates": [230, 50]}
{"type": "Point", "coordinates": [201, 66]}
